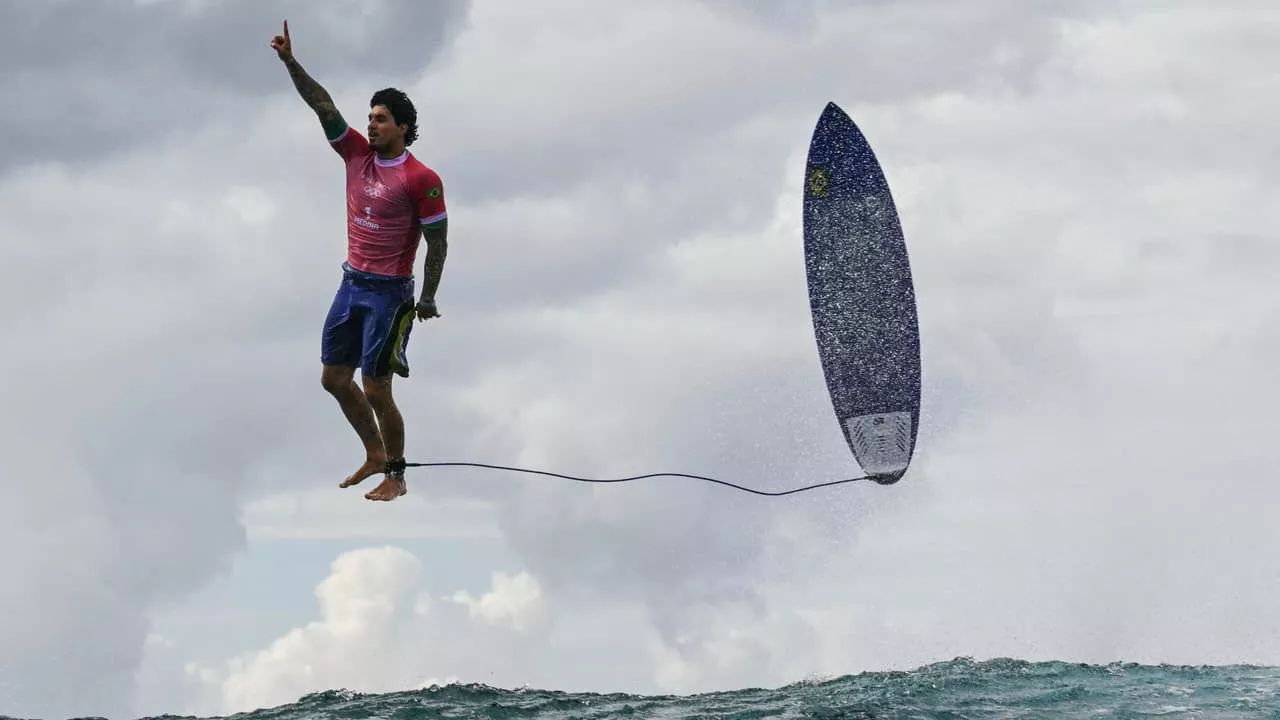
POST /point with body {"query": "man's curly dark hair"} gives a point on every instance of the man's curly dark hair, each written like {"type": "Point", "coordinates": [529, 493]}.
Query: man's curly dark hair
{"type": "Point", "coordinates": [402, 111]}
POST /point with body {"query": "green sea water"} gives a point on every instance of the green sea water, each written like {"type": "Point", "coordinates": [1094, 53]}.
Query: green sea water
{"type": "Point", "coordinates": [955, 689]}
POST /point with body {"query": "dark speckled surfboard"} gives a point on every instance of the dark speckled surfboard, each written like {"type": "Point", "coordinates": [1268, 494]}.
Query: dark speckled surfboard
{"type": "Point", "coordinates": [862, 298]}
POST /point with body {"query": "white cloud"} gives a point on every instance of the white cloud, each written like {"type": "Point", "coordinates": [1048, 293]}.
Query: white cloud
{"type": "Point", "coordinates": [379, 629]}
{"type": "Point", "coordinates": [515, 602]}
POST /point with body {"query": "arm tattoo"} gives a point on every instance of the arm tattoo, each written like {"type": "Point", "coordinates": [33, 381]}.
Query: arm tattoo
{"type": "Point", "coordinates": [437, 248]}
{"type": "Point", "coordinates": [316, 97]}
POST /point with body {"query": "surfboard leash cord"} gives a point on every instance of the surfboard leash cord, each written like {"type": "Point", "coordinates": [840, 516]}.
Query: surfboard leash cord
{"type": "Point", "coordinates": [508, 468]}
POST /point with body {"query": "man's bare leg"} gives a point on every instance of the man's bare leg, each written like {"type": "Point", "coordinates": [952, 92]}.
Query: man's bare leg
{"type": "Point", "coordinates": [340, 382]}
{"type": "Point", "coordinates": [378, 390]}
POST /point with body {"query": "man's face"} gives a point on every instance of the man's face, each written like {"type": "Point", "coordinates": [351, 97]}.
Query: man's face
{"type": "Point", "coordinates": [383, 131]}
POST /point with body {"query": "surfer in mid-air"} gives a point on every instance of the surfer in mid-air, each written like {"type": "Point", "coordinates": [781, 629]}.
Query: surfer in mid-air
{"type": "Point", "coordinates": [392, 198]}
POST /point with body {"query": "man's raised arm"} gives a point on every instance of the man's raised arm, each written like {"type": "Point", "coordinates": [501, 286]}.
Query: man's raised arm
{"type": "Point", "coordinates": [311, 91]}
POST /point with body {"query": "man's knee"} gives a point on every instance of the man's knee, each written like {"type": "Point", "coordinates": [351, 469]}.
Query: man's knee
{"type": "Point", "coordinates": [378, 390]}
{"type": "Point", "coordinates": [335, 378]}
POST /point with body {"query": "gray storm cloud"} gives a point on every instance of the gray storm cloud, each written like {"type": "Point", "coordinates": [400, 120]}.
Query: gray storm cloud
{"type": "Point", "coordinates": [98, 79]}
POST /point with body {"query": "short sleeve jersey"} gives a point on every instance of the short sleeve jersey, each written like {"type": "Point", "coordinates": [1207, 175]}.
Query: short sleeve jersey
{"type": "Point", "coordinates": [388, 203]}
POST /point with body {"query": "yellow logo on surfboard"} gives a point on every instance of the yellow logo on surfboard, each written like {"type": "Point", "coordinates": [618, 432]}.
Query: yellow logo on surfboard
{"type": "Point", "coordinates": [819, 181]}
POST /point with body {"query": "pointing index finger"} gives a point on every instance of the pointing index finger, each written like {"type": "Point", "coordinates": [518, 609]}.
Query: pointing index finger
{"type": "Point", "coordinates": [286, 29]}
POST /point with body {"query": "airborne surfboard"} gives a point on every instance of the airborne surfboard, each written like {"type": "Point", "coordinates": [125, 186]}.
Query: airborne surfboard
{"type": "Point", "coordinates": [862, 297]}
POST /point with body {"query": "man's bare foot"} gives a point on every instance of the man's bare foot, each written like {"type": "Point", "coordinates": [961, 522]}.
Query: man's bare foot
{"type": "Point", "coordinates": [372, 466]}
{"type": "Point", "coordinates": [390, 489]}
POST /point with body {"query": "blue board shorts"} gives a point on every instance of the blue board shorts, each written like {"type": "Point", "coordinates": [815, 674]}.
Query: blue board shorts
{"type": "Point", "coordinates": [368, 323]}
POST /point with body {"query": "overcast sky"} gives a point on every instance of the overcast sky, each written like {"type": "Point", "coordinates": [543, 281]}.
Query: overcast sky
{"type": "Point", "coordinates": [1088, 193]}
